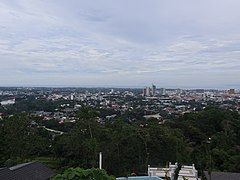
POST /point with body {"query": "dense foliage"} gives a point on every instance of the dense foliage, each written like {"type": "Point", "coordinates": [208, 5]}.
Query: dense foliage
{"type": "Point", "coordinates": [223, 128]}
{"type": "Point", "coordinates": [79, 173]}
{"type": "Point", "coordinates": [21, 140]}
{"type": "Point", "coordinates": [128, 147]}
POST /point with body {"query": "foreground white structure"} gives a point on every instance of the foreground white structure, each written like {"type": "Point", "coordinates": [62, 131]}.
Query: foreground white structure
{"type": "Point", "coordinates": [163, 172]}
{"type": "Point", "coordinates": [186, 172]}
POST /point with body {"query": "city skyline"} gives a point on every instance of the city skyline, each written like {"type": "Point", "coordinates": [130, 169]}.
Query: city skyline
{"type": "Point", "coordinates": [177, 44]}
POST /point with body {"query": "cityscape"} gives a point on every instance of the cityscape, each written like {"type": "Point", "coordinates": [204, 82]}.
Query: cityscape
{"type": "Point", "coordinates": [132, 104]}
{"type": "Point", "coordinates": [56, 111]}
{"type": "Point", "coordinates": [119, 90]}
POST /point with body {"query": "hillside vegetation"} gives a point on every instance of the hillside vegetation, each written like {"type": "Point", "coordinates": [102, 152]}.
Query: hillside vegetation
{"type": "Point", "coordinates": [209, 139]}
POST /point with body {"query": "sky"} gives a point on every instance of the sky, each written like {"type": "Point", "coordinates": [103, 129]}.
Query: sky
{"type": "Point", "coordinates": [120, 43]}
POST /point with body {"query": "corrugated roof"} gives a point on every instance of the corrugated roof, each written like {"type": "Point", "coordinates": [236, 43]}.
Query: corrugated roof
{"type": "Point", "coordinates": [6, 174]}
{"type": "Point", "coordinates": [34, 170]}
{"type": "Point", "coordinates": [27, 171]}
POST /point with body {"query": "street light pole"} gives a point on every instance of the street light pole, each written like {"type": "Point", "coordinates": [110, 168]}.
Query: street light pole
{"type": "Point", "coordinates": [100, 160]}
{"type": "Point", "coordinates": [210, 158]}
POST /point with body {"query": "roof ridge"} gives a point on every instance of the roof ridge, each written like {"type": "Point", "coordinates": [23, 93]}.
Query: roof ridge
{"type": "Point", "coordinates": [19, 166]}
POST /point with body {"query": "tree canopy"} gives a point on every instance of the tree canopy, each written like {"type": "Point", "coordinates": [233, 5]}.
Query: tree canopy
{"type": "Point", "coordinates": [127, 147]}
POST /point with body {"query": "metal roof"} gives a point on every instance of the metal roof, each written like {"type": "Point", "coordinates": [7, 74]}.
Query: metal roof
{"type": "Point", "coordinates": [27, 171]}
{"type": "Point", "coordinates": [6, 174]}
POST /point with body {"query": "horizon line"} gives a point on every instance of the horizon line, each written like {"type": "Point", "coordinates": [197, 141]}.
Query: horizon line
{"type": "Point", "coordinates": [113, 87]}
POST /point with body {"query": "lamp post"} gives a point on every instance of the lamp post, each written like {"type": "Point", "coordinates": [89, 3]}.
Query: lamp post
{"type": "Point", "coordinates": [100, 160]}
{"type": "Point", "coordinates": [210, 158]}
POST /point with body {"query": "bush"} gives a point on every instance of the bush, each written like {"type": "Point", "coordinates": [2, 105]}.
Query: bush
{"type": "Point", "coordinates": [79, 173]}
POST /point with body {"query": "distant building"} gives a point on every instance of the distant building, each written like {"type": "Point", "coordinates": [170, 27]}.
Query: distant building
{"type": "Point", "coordinates": [178, 91]}
{"type": "Point", "coordinates": [7, 102]}
{"type": "Point", "coordinates": [155, 116]}
{"type": "Point", "coordinates": [149, 91]}
{"type": "Point", "coordinates": [162, 91]}
{"type": "Point", "coordinates": [200, 90]}
{"type": "Point", "coordinates": [153, 90]}
{"type": "Point", "coordinates": [146, 91]}
{"type": "Point", "coordinates": [111, 91]}
{"type": "Point", "coordinates": [231, 91]}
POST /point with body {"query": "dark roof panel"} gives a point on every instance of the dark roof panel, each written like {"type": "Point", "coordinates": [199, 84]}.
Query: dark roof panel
{"type": "Point", "coordinates": [6, 174]}
{"type": "Point", "coordinates": [223, 176]}
{"type": "Point", "coordinates": [33, 171]}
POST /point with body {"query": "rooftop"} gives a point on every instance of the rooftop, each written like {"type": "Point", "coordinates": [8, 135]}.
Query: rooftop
{"type": "Point", "coordinates": [27, 171]}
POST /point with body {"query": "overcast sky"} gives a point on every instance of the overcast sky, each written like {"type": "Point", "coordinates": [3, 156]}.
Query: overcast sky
{"type": "Point", "coordinates": [128, 43]}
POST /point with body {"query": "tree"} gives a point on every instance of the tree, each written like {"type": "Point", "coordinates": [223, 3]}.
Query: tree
{"type": "Point", "coordinates": [22, 140]}
{"type": "Point", "coordinates": [80, 145]}
{"type": "Point", "coordinates": [79, 173]}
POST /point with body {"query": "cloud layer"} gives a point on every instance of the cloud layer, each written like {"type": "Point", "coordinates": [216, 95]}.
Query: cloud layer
{"type": "Point", "coordinates": [184, 43]}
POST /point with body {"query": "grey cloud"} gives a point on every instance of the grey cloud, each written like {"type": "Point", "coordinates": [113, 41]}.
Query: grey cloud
{"type": "Point", "coordinates": [129, 42]}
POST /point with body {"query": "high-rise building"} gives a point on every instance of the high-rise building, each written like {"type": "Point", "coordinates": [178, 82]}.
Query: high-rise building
{"type": "Point", "coordinates": [178, 91]}
{"type": "Point", "coordinates": [153, 90]}
{"type": "Point", "coordinates": [231, 91]}
{"type": "Point", "coordinates": [162, 91]}
{"type": "Point", "coordinates": [146, 91]}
